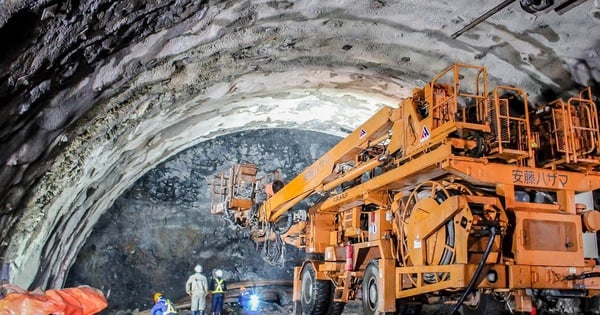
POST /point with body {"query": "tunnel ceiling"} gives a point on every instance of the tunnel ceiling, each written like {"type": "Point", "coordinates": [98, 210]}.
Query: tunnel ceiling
{"type": "Point", "coordinates": [96, 93]}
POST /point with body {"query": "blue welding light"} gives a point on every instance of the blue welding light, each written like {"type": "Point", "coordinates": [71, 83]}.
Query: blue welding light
{"type": "Point", "coordinates": [254, 301]}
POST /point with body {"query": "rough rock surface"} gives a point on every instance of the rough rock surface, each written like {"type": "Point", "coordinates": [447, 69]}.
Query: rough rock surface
{"type": "Point", "coordinates": [156, 232]}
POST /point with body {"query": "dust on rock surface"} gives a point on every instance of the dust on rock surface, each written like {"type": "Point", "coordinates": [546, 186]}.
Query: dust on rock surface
{"type": "Point", "coordinates": [154, 235]}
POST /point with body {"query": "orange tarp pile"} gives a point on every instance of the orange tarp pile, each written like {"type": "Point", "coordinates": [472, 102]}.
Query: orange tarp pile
{"type": "Point", "coordinates": [82, 300]}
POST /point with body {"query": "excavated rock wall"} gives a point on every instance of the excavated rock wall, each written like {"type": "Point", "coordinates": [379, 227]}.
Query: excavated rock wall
{"type": "Point", "coordinates": [156, 232]}
{"type": "Point", "coordinates": [189, 81]}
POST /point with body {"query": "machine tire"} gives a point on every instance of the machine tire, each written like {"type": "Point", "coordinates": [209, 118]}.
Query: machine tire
{"type": "Point", "coordinates": [335, 308]}
{"type": "Point", "coordinates": [487, 305]}
{"type": "Point", "coordinates": [315, 295]}
{"type": "Point", "coordinates": [370, 287]}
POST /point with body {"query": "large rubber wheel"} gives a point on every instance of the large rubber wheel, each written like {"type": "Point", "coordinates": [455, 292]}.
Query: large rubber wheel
{"type": "Point", "coordinates": [370, 294]}
{"type": "Point", "coordinates": [335, 308]}
{"type": "Point", "coordinates": [316, 294]}
{"type": "Point", "coordinates": [487, 305]}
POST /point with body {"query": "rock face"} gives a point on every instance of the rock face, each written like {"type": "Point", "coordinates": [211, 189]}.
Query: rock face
{"type": "Point", "coordinates": [48, 80]}
{"type": "Point", "coordinates": [156, 232]}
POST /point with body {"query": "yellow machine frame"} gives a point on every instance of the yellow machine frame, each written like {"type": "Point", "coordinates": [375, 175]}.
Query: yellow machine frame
{"type": "Point", "coordinates": [427, 192]}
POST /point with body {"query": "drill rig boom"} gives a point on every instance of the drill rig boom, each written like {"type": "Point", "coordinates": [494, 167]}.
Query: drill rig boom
{"type": "Point", "coordinates": [336, 166]}
{"type": "Point", "coordinates": [461, 194]}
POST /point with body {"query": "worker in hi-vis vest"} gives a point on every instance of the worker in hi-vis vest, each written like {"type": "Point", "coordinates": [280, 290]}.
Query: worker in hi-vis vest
{"type": "Point", "coordinates": [162, 305]}
{"type": "Point", "coordinates": [197, 288]}
{"type": "Point", "coordinates": [217, 288]}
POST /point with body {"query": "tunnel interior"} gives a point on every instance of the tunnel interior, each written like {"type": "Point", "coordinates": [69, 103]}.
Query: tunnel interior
{"type": "Point", "coordinates": [109, 110]}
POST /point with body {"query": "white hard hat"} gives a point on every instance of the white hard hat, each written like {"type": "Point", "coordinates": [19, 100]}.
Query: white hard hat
{"type": "Point", "coordinates": [198, 268]}
{"type": "Point", "coordinates": [219, 273]}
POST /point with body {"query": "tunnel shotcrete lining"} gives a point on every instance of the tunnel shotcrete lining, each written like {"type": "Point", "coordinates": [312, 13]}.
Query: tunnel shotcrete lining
{"type": "Point", "coordinates": [58, 221]}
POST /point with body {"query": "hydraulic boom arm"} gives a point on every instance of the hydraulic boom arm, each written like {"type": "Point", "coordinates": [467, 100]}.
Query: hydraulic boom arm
{"type": "Point", "coordinates": [338, 165]}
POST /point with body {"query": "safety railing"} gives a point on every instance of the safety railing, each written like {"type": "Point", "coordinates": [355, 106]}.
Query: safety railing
{"type": "Point", "coordinates": [452, 102]}
{"type": "Point", "coordinates": [234, 190]}
{"type": "Point", "coordinates": [570, 132]}
{"type": "Point", "coordinates": [584, 134]}
{"type": "Point", "coordinates": [511, 130]}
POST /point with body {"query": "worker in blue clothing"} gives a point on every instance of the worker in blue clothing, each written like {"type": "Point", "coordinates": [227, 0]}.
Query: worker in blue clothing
{"type": "Point", "coordinates": [244, 298]}
{"type": "Point", "coordinates": [249, 301]}
{"type": "Point", "coordinates": [162, 305]}
{"type": "Point", "coordinates": [217, 288]}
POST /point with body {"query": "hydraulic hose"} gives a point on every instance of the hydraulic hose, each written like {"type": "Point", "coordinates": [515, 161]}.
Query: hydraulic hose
{"type": "Point", "coordinates": [478, 270]}
{"type": "Point", "coordinates": [583, 276]}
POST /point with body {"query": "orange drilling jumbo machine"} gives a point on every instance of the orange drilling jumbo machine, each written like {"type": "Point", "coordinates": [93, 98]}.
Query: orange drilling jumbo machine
{"type": "Point", "coordinates": [462, 195]}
